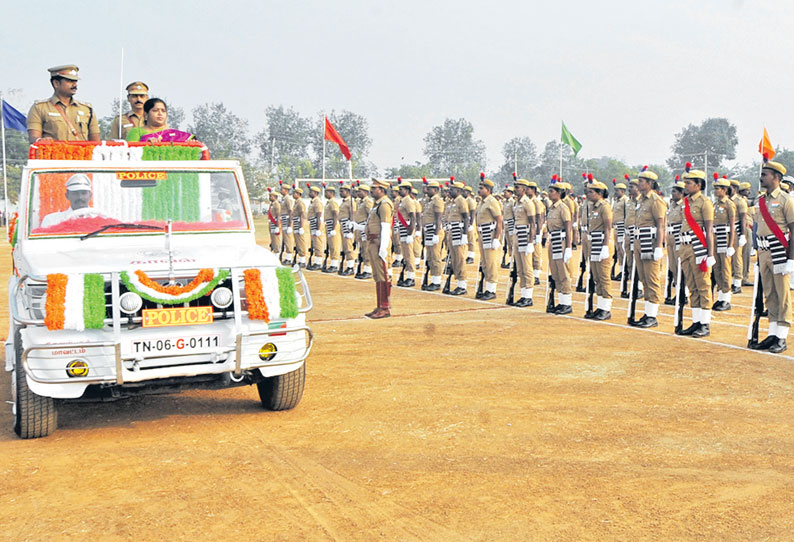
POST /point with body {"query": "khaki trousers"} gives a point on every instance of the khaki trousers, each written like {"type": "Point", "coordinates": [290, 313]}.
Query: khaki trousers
{"type": "Point", "coordinates": [559, 272]}
{"type": "Point", "coordinates": [490, 259]}
{"type": "Point", "coordinates": [524, 268]}
{"type": "Point", "coordinates": [737, 260]}
{"type": "Point", "coordinates": [722, 272]}
{"type": "Point", "coordinates": [457, 258]}
{"type": "Point", "coordinates": [433, 259]}
{"type": "Point", "coordinates": [334, 246]}
{"type": "Point", "coordinates": [650, 274]}
{"type": "Point", "coordinates": [746, 259]}
{"type": "Point", "coordinates": [318, 245]}
{"type": "Point", "coordinates": [698, 282]}
{"type": "Point", "coordinates": [776, 291]}
{"type": "Point", "coordinates": [275, 242]}
{"type": "Point", "coordinates": [289, 241]}
{"type": "Point", "coordinates": [379, 267]}
{"type": "Point", "coordinates": [362, 243]}
{"type": "Point", "coordinates": [600, 271]}
{"type": "Point", "coordinates": [407, 250]}
{"type": "Point", "coordinates": [350, 252]}
{"type": "Point", "coordinates": [302, 242]}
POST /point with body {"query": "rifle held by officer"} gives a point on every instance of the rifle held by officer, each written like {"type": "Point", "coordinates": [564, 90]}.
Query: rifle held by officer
{"type": "Point", "coordinates": [448, 272]}
{"type": "Point", "coordinates": [680, 293]}
{"type": "Point", "coordinates": [612, 275]}
{"type": "Point", "coordinates": [582, 270]}
{"type": "Point", "coordinates": [480, 280]}
{"type": "Point", "coordinates": [635, 289]}
{"type": "Point", "coordinates": [513, 279]}
{"type": "Point", "coordinates": [756, 309]}
{"type": "Point", "coordinates": [550, 289]}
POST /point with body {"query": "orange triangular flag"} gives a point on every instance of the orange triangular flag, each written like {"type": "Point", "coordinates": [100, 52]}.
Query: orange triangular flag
{"type": "Point", "coordinates": [765, 147]}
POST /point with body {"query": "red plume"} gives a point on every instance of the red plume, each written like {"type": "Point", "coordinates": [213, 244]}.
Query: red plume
{"type": "Point", "coordinates": [554, 176]}
{"type": "Point", "coordinates": [766, 157]}
{"type": "Point", "coordinates": [269, 189]}
{"type": "Point", "coordinates": [482, 175]}
{"type": "Point", "coordinates": [614, 181]}
{"type": "Point", "coordinates": [424, 180]}
{"type": "Point", "coordinates": [358, 183]}
{"type": "Point", "coordinates": [716, 175]}
{"type": "Point", "coordinates": [589, 176]}
{"type": "Point", "coordinates": [677, 178]}
{"type": "Point", "coordinates": [451, 178]}
{"type": "Point", "coordinates": [688, 167]}
{"type": "Point", "coordinates": [724, 176]}
{"type": "Point", "coordinates": [280, 181]}
{"type": "Point", "coordinates": [341, 183]}
{"type": "Point", "coordinates": [584, 175]}
{"type": "Point", "coordinates": [399, 178]}
{"type": "Point", "coordinates": [514, 176]}
{"type": "Point", "coordinates": [644, 168]}
{"type": "Point", "coordinates": [626, 176]}
{"type": "Point", "coordinates": [323, 184]}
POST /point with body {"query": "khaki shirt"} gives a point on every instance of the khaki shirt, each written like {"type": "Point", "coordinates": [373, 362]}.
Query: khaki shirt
{"type": "Point", "coordinates": [488, 211]}
{"type": "Point", "coordinates": [631, 212]}
{"type": "Point", "coordinates": [540, 208]}
{"type": "Point", "coordinates": [274, 211]}
{"type": "Point", "coordinates": [347, 209]}
{"type": "Point", "coordinates": [675, 213]}
{"type": "Point", "coordinates": [299, 209]}
{"type": "Point", "coordinates": [650, 208]}
{"type": "Point", "coordinates": [457, 207]}
{"type": "Point", "coordinates": [599, 214]}
{"type": "Point", "coordinates": [619, 208]}
{"type": "Point", "coordinates": [524, 211]}
{"type": "Point", "coordinates": [316, 208]}
{"type": "Point", "coordinates": [702, 209]}
{"type": "Point", "coordinates": [573, 207]}
{"type": "Point", "coordinates": [472, 206]}
{"type": "Point", "coordinates": [362, 210]}
{"type": "Point", "coordinates": [130, 121]}
{"type": "Point", "coordinates": [47, 119]}
{"type": "Point", "coordinates": [741, 205]}
{"type": "Point", "coordinates": [435, 205]}
{"type": "Point", "coordinates": [559, 214]}
{"type": "Point", "coordinates": [507, 211]}
{"type": "Point", "coordinates": [781, 208]}
{"type": "Point", "coordinates": [724, 211]}
{"type": "Point", "coordinates": [331, 206]}
{"type": "Point", "coordinates": [382, 211]}
{"type": "Point", "coordinates": [287, 203]}
{"type": "Point", "coordinates": [407, 209]}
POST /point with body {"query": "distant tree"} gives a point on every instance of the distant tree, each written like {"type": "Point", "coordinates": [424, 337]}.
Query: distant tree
{"type": "Point", "coordinates": [224, 133]}
{"type": "Point", "coordinates": [354, 129]}
{"type": "Point", "coordinates": [549, 164]}
{"type": "Point", "coordinates": [522, 149]}
{"type": "Point", "coordinates": [715, 135]}
{"type": "Point", "coordinates": [16, 156]}
{"type": "Point", "coordinates": [417, 170]}
{"type": "Point", "coordinates": [285, 135]}
{"type": "Point", "coordinates": [451, 149]}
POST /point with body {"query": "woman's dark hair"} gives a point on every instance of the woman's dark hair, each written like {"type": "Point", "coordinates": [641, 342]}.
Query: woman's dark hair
{"type": "Point", "coordinates": [151, 102]}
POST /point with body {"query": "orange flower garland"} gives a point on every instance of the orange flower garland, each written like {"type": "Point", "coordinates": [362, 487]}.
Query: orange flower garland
{"type": "Point", "coordinates": [12, 228]}
{"type": "Point", "coordinates": [205, 275]}
{"type": "Point", "coordinates": [56, 297]}
{"type": "Point", "coordinates": [257, 308]}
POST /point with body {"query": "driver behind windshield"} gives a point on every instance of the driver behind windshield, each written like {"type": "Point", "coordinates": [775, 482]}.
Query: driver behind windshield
{"type": "Point", "coordinates": [78, 192]}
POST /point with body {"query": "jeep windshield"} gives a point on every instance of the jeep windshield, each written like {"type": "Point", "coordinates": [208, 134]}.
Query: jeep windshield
{"type": "Point", "coordinates": [77, 203]}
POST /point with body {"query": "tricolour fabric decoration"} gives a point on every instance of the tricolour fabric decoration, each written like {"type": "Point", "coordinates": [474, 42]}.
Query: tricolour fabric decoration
{"type": "Point", "coordinates": [75, 302]}
{"type": "Point", "coordinates": [271, 293]}
{"type": "Point", "coordinates": [204, 283]}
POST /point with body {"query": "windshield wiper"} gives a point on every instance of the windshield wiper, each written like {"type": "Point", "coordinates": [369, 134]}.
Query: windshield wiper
{"type": "Point", "coordinates": [123, 226]}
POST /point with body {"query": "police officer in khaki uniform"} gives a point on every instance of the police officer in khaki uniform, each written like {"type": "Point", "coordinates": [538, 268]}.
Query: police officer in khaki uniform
{"type": "Point", "coordinates": [432, 233]}
{"type": "Point", "coordinates": [697, 251]}
{"type": "Point", "coordinates": [137, 94]}
{"type": "Point", "coordinates": [509, 222]}
{"type": "Point", "coordinates": [747, 250]}
{"type": "Point", "coordinates": [396, 199]}
{"type": "Point", "coordinates": [675, 216]}
{"type": "Point", "coordinates": [406, 224]}
{"type": "Point", "coordinates": [287, 237]}
{"type": "Point", "coordinates": [599, 231]}
{"type": "Point", "coordinates": [724, 242]}
{"type": "Point", "coordinates": [300, 225]}
{"type": "Point", "coordinates": [523, 240]}
{"type": "Point", "coordinates": [457, 241]}
{"type": "Point", "coordinates": [346, 211]}
{"type": "Point", "coordinates": [61, 117]}
{"type": "Point", "coordinates": [740, 239]}
{"type": "Point", "coordinates": [628, 245]}
{"type": "Point", "coordinates": [489, 227]}
{"type": "Point", "coordinates": [332, 236]}
{"type": "Point", "coordinates": [417, 205]}
{"type": "Point", "coordinates": [619, 204]}
{"type": "Point", "coordinates": [360, 217]}
{"type": "Point", "coordinates": [314, 215]}
{"type": "Point", "coordinates": [775, 219]}
{"type": "Point", "coordinates": [471, 234]}
{"type": "Point", "coordinates": [559, 226]}
{"type": "Point", "coordinates": [378, 232]}
{"type": "Point", "coordinates": [648, 250]}
{"type": "Point", "coordinates": [273, 217]}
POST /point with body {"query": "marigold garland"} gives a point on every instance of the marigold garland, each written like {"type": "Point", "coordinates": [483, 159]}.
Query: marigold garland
{"type": "Point", "coordinates": [12, 229]}
{"type": "Point", "coordinates": [56, 296]}
{"type": "Point", "coordinates": [220, 277]}
{"type": "Point", "coordinates": [287, 292]}
{"type": "Point", "coordinates": [257, 308]}
{"type": "Point", "coordinates": [205, 275]}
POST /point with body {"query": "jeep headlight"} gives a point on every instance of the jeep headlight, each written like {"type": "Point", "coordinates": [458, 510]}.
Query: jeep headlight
{"type": "Point", "coordinates": [222, 297]}
{"type": "Point", "coordinates": [130, 302]}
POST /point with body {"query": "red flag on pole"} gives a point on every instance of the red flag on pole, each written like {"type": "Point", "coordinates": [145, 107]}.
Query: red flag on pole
{"type": "Point", "coordinates": [765, 147]}
{"type": "Point", "coordinates": [332, 135]}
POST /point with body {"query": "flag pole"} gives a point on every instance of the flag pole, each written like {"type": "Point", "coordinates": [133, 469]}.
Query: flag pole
{"type": "Point", "coordinates": [5, 177]}
{"type": "Point", "coordinates": [560, 160]}
{"type": "Point", "coordinates": [325, 120]}
{"type": "Point", "coordinates": [121, 92]}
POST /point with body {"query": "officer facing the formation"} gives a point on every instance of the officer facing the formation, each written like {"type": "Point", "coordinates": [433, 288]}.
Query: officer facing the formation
{"type": "Point", "coordinates": [697, 251]}
{"type": "Point", "coordinates": [299, 225]}
{"type": "Point", "coordinates": [62, 117]}
{"type": "Point", "coordinates": [599, 230]}
{"type": "Point", "coordinates": [273, 217]}
{"type": "Point", "coordinates": [431, 230]}
{"type": "Point", "coordinates": [649, 244]}
{"type": "Point", "coordinates": [406, 226]}
{"type": "Point", "coordinates": [378, 232]}
{"type": "Point", "coordinates": [558, 223]}
{"type": "Point", "coordinates": [332, 236]}
{"type": "Point", "coordinates": [489, 227]}
{"type": "Point", "coordinates": [724, 241]}
{"type": "Point", "coordinates": [675, 216]}
{"type": "Point", "coordinates": [137, 94]}
{"type": "Point", "coordinates": [459, 220]}
{"type": "Point", "coordinates": [346, 211]}
{"type": "Point", "coordinates": [471, 234]}
{"type": "Point", "coordinates": [360, 217]}
{"type": "Point", "coordinates": [740, 236]}
{"type": "Point", "coordinates": [288, 239]}
{"type": "Point", "coordinates": [775, 222]}
{"type": "Point", "coordinates": [524, 241]}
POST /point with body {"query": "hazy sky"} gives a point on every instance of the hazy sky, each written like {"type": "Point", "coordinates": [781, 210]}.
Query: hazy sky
{"type": "Point", "coordinates": [624, 75]}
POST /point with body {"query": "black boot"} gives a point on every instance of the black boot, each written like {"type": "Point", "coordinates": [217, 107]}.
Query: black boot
{"type": "Point", "coordinates": [779, 346]}
{"type": "Point", "coordinates": [765, 344]}
{"type": "Point", "coordinates": [691, 329]}
{"type": "Point", "coordinates": [702, 331]}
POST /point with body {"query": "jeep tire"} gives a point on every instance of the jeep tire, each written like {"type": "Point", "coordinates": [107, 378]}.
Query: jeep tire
{"type": "Point", "coordinates": [36, 416]}
{"type": "Point", "coordinates": [282, 392]}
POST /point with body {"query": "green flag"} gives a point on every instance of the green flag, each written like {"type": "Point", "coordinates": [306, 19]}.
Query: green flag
{"type": "Point", "coordinates": [568, 139]}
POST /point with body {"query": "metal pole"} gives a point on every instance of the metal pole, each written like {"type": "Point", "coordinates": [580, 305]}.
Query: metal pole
{"type": "Point", "coordinates": [324, 121]}
{"type": "Point", "coordinates": [121, 91]}
{"type": "Point", "coordinates": [5, 179]}
{"type": "Point", "coordinates": [515, 161]}
{"type": "Point", "coordinates": [273, 156]}
{"type": "Point", "coordinates": [560, 160]}
{"type": "Point", "coordinates": [706, 170]}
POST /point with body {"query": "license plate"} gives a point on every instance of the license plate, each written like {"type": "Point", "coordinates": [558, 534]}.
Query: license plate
{"type": "Point", "coordinates": [175, 345]}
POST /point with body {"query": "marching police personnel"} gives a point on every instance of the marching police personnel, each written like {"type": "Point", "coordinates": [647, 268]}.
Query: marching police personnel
{"type": "Point", "coordinates": [137, 94]}
{"type": "Point", "coordinates": [288, 239]}
{"type": "Point", "coordinates": [740, 239]}
{"type": "Point", "coordinates": [649, 244]}
{"type": "Point", "coordinates": [396, 245]}
{"type": "Point", "coordinates": [299, 225]}
{"type": "Point", "coordinates": [332, 239]}
{"type": "Point", "coordinates": [775, 219]}
{"type": "Point", "coordinates": [675, 216]}
{"type": "Point", "coordinates": [599, 231]}
{"type": "Point", "coordinates": [418, 231]}
{"type": "Point", "coordinates": [315, 219]}
{"type": "Point", "coordinates": [697, 251]}
{"type": "Point", "coordinates": [489, 227]}
{"type": "Point", "coordinates": [406, 225]}
{"type": "Point", "coordinates": [509, 222]}
{"type": "Point", "coordinates": [273, 217]}
{"type": "Point", "coordinates": [459, 220]}
{"type": "Point", "coordinates": [61, 117]}
{"type": "Point", "coordinates": [747, 249]}
{"type": "Point", "coordinates": [724, 242]}
{"type": "Point", "coordinates": [573, 207]}
{"type": "Point", "coordinates": [558, 224]}
{"type": "Point", "coordinates": [432, 231]}
{"type": "Point", "coordinates": [471, 234]}
{"type": "Point", "coordinates": [619, 205]}
{"type": "Point", "coordinates": [360, 217]}
{"type": "Point", "coordinates": [523, 241]}
{"type": "Point", "coordinates": [346, 212]}
{"type": "Point", "coordinates": [540, 221]}
{"type": "Point", "coordinates": [378, 232]}
{"type": "Point", "coordinates": [631, 210]}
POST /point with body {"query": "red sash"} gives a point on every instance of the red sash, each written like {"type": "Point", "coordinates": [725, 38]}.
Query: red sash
{"type": "Point", "coordinates": [272, 220]}
{"type": "Point", "coordinates": [770, 223]}
{"type": "Point", "coordinates": [696, 229]}
{"type": "Point", "coordinates": [402, 220]}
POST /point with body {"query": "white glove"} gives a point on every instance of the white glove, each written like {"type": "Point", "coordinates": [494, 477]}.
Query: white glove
{"type": "Point", "coordinates": [348, 236]}
{"type": "Point", "coordinates": [418, 234]}
{"type": "Point", "coordinates": [752, 252]}
{"type": "Point", "coordinates": [406, 239]}
{"type": "Point", "coordinates": [317, 233]}
{"type": "Point", "coordinates": [604, 253]}
{"type": "Point", "coordinates": [385, 235]}
{"type": "Point", "coordinates": [575, 225]}
{"type": "Point", "coordinates": [434, 240]}
{"type": "Point", "coordinates": [657, 254]}
{"type": "Point", "coordinates": [332, 233]}
{"type": "Point", "coordinates": [300, 231]}
{"type": "Point", "coordinates": [710, 261]}
{"type": "Point", "coordinates": [495, 244]}
{"type": "Point", "coordinates": [567, 254]}
{"type": "Point", "coordinates": [730, 252]}
{"type": "Point", "coordinates": [742, 240]}
{"type": "Point", "coordinates": [470, 228]}
{"type": "Point", "coordinates": [538, 239]}
{"type": "Point", "coordinates": [530, 248]}
{"type": "Point", "coordinates": [289, 230]}
{"type": "Point", "coordinates": [789, 267]}
{"type": "Point", "coordinates": [358, 227]}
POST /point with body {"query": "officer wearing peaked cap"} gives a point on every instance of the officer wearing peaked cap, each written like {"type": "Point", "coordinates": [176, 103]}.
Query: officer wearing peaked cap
{"type": "Point", "coordinates": [471, 234]}
{"type": "Point", "coordinates": [540, 221]}
{"type": "Point", "coordinates": [360, 216]}
{"type": "Point", "coordinates": [649, 216]}
{"type": "Point", "coordinates": [273, 217]}
{"type": "Point", "coordinates": [599, 231]}
{"type": "Point", "coordinates": [558, 223]}
{"type": "Point", "coordinates": [724, 241]}
{"type": "Point", "coordinates": [675, 216]}
{"type": "Point", "coordinates": [740, 237]}
{"type": "Point", "coordinates": [378, 231]}
{"type": "Point", "coordinates": [749, 220]}
{"type": "Point", "coordinates": [316, 228]}
{"type": "Point", "coordinates": [333, 236]}
{"type": "Point", "coordinates": [459, 219]}
{"type": "Point", "coordinates": [406, 225]}
{"type": "Point", "coordinates": [524, 241]}
{"type": "Point", "coordinates": [300, 225]}
{"type": "Point", "coordinates": [619, 204]}
{"type": "Point", "coordinates": [346, 211]}
{"type": "Point", "coordinates": [287, 237]}
{"type": "Point", "coordinates": [137, 94]}
{"type": "Point", "coordinates": [61, 117]}
{"type": "Point", "coordinates": [489, 226]}
{"type": "Point", "coordinates": [432, 232]}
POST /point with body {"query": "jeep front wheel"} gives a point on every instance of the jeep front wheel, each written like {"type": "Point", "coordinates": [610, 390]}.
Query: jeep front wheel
{"type": "Point", "coordinates": [36, 416]}
{"type": "Point", "coordinates": [282, 392]}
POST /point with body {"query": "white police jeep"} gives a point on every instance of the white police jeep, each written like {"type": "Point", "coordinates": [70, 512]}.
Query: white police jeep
{"type": "Point", "coordinates": [136, 271]}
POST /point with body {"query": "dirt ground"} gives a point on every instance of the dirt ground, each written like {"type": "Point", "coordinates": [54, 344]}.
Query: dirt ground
{"type": "Point", "coordinates": [456, 419]}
